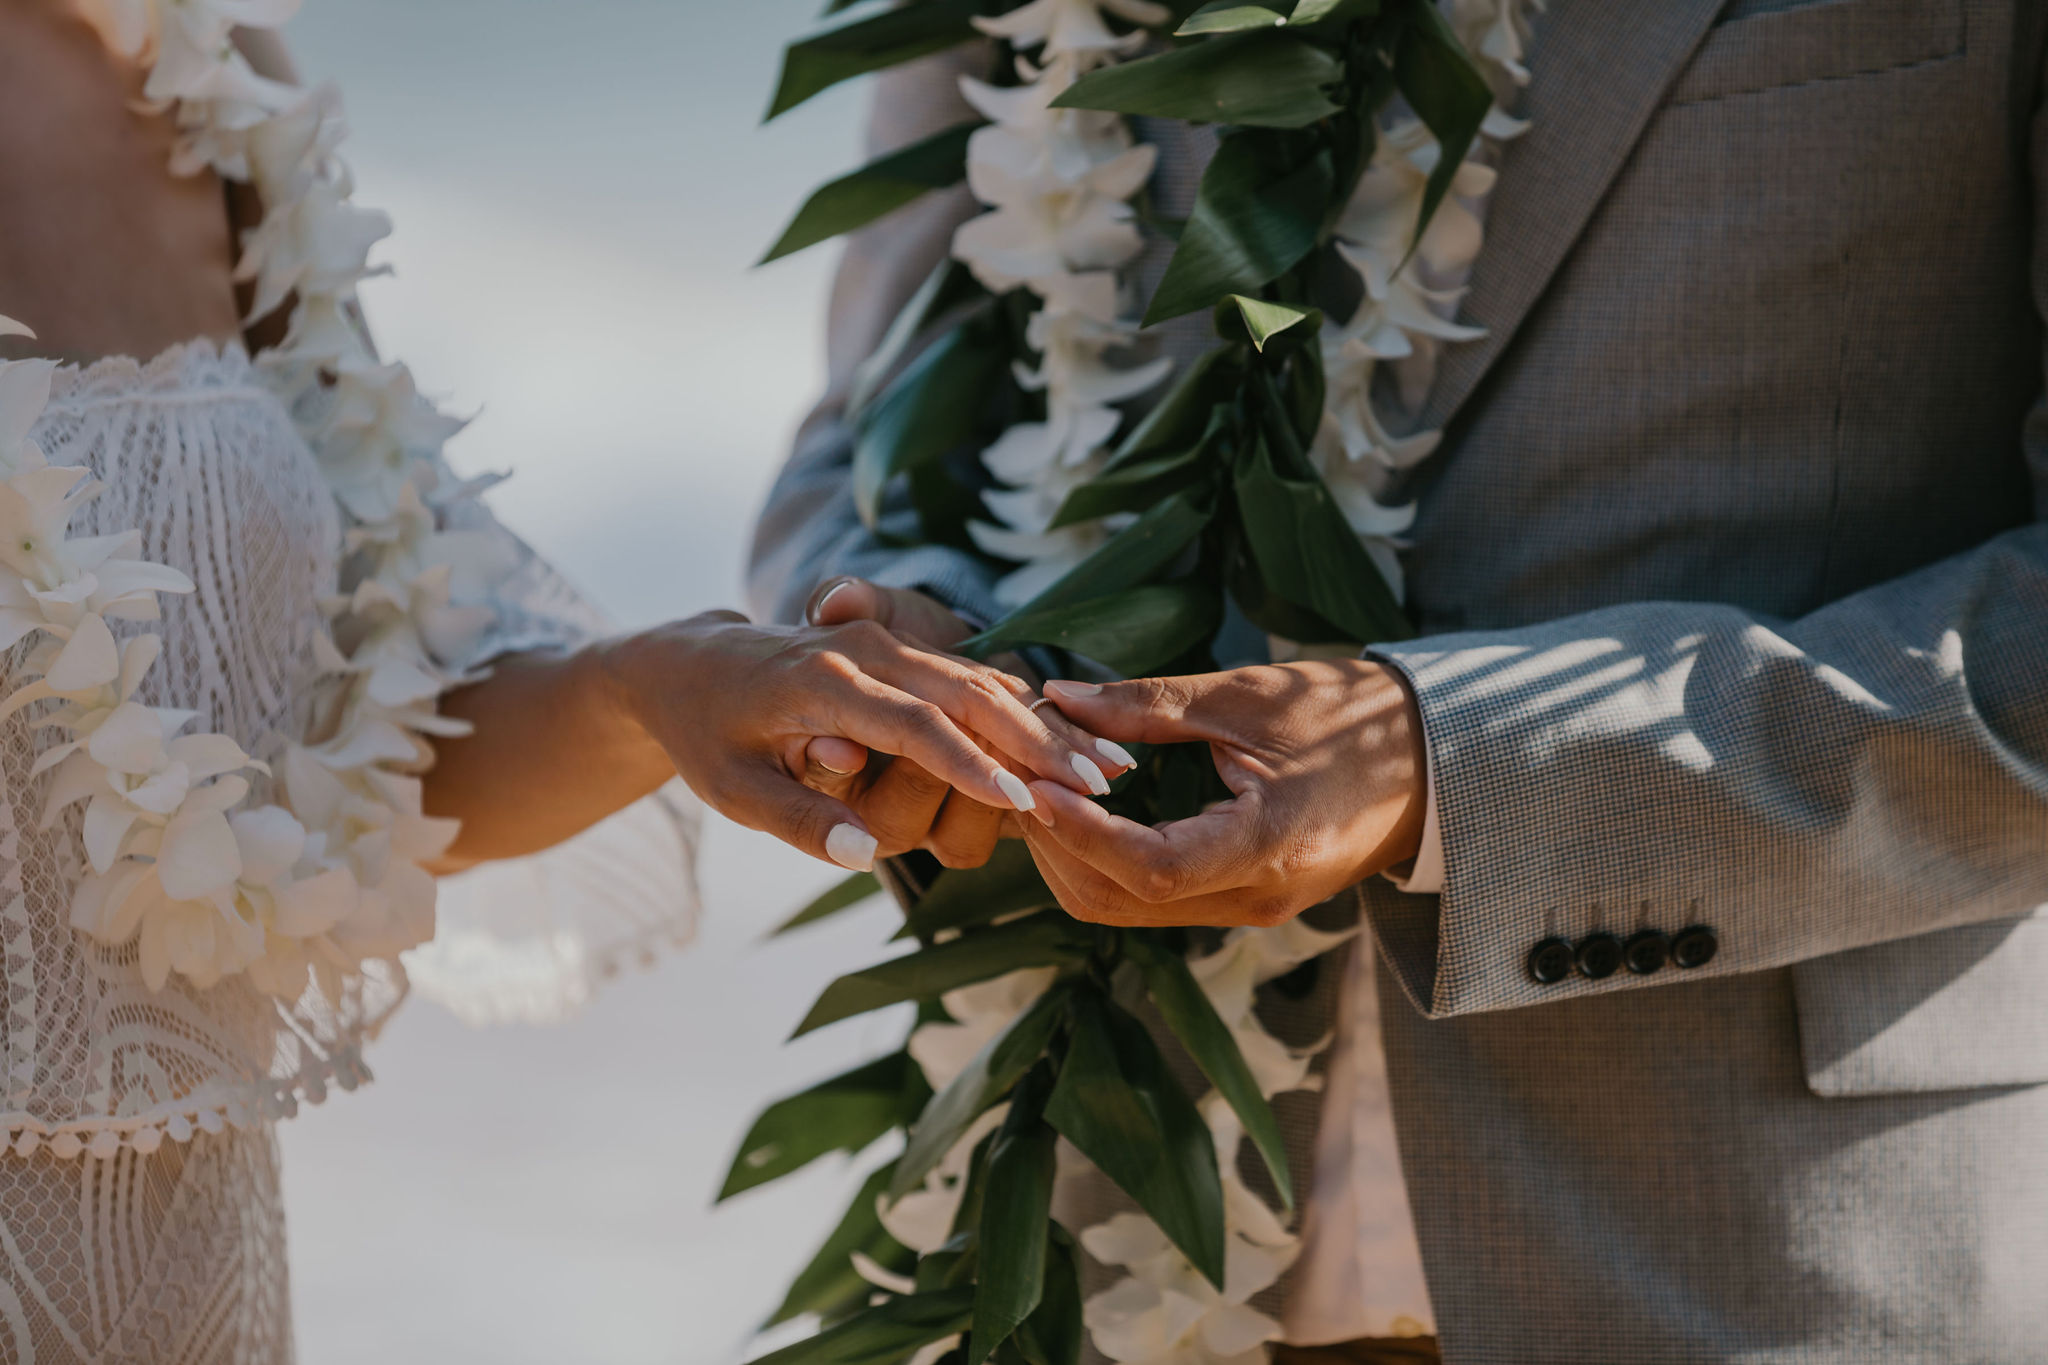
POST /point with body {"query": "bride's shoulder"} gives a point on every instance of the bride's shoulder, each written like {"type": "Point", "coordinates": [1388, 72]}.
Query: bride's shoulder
{"type": "Point", "coordinates": [102, 249]}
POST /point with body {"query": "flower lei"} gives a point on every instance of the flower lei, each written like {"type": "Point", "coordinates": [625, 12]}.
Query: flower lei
{"type": "Point", "coordinates": [1057, 183]}
{"type": "Point", "coordinates": [1259, 475]}
{"type": "Point", "coordinates": [217, 864]}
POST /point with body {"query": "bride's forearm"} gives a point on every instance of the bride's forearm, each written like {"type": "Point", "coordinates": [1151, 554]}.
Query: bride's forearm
{"type": "Point", "coordinates": [552, 753]}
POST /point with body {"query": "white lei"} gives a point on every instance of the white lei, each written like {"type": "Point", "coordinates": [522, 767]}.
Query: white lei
{"type": "Point", "coordinates": [1058, 184]}
{"type": "Point", "coordinates": [217, 863]}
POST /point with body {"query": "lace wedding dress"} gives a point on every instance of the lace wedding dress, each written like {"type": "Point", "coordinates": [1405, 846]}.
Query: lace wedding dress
{"type": "Point", "coordinates": [139, 1203]}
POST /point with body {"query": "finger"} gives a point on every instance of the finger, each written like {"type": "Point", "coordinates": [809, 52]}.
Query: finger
{"type": "Point", "coordinates": [1145, 710]}
{"type": "Point", "coordinates": [1219, 850]}
{"type": "Point", "coordinates": [762, 796]}
{"type": "Point", "coordinates": [901, 806]}
{"type": "Point", "coordinates": [868, 711]}
{"type": "Point", "coordinates": [999, 708]}
{"type": "Point", "coordinates": [965, 833]}
{"type": "Point", "coordinates": [835, 756]}
{"type": "Point", "coordinates": [1110, 758]}
{"type": "Point", "coordinates": [841, 600]}
{"type": "Point", "coordinates": [1087, 895]}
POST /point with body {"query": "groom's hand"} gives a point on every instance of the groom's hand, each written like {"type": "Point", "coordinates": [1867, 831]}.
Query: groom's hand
{"type": "Point", "coordinates": [1325, 764]}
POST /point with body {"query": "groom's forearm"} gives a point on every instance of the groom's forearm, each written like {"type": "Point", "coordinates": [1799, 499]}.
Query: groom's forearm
{"type": "Point", "coordinates": [1876, 770]}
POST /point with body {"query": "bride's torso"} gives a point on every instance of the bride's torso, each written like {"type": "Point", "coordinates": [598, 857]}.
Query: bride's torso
{"type": "Point", "coordinates": [107, 255]}
{"type": "Point", "coordinates": [103, 251]}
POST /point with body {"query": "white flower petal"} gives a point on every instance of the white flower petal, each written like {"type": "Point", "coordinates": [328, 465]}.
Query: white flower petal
{"type": "Point", "coordinates": [89, 658]}
{"type": "Point", "coordinates": [199, 855]}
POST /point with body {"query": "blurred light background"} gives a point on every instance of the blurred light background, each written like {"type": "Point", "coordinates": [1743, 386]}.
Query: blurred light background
{"type": "Point", "coordinates": [579, 187]}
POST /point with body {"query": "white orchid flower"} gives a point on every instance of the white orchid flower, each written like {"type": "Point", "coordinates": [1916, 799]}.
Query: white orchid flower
{"type": "Point", "coordinates": [318, 243]}
{"type": "Point", "coordinates": [1074, 25]}
{"type": "Point", "coordinates": [378, 424]}
{"type": "Point", "coordinates": [194, 53]}
{"type": "Point", "coordinates": [141, 779]}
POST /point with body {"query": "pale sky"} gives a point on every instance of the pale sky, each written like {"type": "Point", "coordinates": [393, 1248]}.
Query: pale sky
{"type": "Point", "coordinates": [579, 187]}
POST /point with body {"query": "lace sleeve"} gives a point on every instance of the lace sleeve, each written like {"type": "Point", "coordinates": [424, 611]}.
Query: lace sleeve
{"type": "Point", "coordinates": [530, 939]}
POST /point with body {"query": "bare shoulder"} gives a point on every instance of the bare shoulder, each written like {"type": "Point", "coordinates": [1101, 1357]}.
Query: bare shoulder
{"type": "Point", "coordinates": [102, 250]}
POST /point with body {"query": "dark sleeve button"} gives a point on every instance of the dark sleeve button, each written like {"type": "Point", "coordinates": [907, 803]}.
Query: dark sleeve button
{"type": "Point", "coordinates": [1551, 961]}
{"type": "Point", "coordinates": [1694, 947]}
{"type": "Point", "coordinates": [1599, 956]}
{"type": "Point", "coordinates": [1646, 952]}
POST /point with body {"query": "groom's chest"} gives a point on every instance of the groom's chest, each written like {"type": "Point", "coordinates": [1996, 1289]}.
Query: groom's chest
{"type": "Point", "coordinates": [1756, 288]}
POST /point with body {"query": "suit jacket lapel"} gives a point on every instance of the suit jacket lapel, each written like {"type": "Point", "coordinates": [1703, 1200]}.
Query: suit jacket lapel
{"type": "Point", "coordinates": [1600, 68]}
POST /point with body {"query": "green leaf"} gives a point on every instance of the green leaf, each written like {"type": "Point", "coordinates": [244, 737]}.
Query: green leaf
{"type": "Point", "coordinates": [1264, 319]}
{"type": "Point", "coordinates": [1126, 560]}
{"type": "Point", "coordinates": [1052, 1334]}
{"type": "Point", "coordinates": [1255, 217]}
{"type": "Point", "coordinates": [1120, 1105]}
{"type": "Point", "coordinates": [1234, 16]}
{"type": "Point", "coordinates": [1016, 1205]}
{"type": "Point", "coordinates": [886, 1334]}
{"type": "Point", "coordinates": [843, 1114]}
{"type": "Point", "coordinates": [1132, 487]}
{"type": "Point", "coordinates": [1316, 11]}
{"type": "Point", "coordinates": [1444, 89]}
{"type": "Point", "coordinates": [1000, 1064]}
{"type": "Point", "coordinates": [879, 187]}
{"type": "Point", "coordinates": [829, 1286]}
{"type": "Point", "coordinates": [1193, 1019]}
{"type": "Point", "coordinates": [1308, 554]}
{"type": "Point", "coordinates": [1045, 940]}
{"type": "Point", "coordinates": [843, 895]}
{"type": "Point", "coordinates": [961, 897]}
{"type": "Point", "coordinates": [933, 407]}
{"type": "Point", "coordinates": [1186, 414]}
{"type": "Point", "coordinates": [1131, 632]}
{"type": "Point", "coordinates": [887, 39]}
{"type": "Point", "coordinates": [951, 286]}
{"type": "Point", "coordinates": [1254, 80]}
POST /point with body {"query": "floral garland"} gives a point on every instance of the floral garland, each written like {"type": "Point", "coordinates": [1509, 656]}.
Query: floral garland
{"type": "Point", "coordinates": [214, 863]}
{"type": "Point", "coordinates": [1354, 134]}
{"type": "Point", "coordinates": [1058, 184]}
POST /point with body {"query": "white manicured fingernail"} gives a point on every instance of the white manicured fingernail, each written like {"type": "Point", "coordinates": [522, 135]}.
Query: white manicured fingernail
{"type": "Point", "coordinates": [1073, 689]}
{"type": "Point", "coordinates": [1097, 784]}
{"type": "Point", "coordinates": [851, 847]}
{"type": "Point", "coordinates": [1115, 753]}
{"type": "Point", "coordinates": [1013, 787]}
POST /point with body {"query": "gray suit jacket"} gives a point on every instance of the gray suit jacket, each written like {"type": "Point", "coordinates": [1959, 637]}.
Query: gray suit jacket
{"type": "Point", "coordinates": [1733, 578]}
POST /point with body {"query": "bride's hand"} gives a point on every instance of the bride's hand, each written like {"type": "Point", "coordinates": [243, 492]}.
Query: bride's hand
{"type": "Point", "coordinates": [735, 705]}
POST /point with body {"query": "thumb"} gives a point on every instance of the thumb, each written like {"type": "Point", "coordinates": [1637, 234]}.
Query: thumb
{"type": "Point", "coordinates": [1144, 710]}
{"type": "Point", "coordinates": [768, 799]}
{"type": "Point", "coordinates": [907, 613]}
{"type": "Point", "coordinates": [833, 765]}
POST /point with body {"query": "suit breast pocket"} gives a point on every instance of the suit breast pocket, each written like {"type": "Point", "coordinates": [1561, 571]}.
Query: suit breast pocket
{"type": "Point", "coordinates": [1761, 48]}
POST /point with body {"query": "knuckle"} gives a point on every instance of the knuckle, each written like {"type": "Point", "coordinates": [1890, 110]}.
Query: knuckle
{"type": "Point", "coordinates": [829, 666]}
{"type": "Point", "coordinates": [926, 719]}
{"type": "Point", "coordinates": [1269, 912]}
{"type": "Point", "coordinates": [1163, 879]}
{"type": "Point", "coordinates": [864, 636]}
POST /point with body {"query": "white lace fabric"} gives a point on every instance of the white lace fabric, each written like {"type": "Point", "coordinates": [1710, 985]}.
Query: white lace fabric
{"type": "Point", "coordinates": [175, 1257]}
{"type": "Point", "coordinates": [197, 453]}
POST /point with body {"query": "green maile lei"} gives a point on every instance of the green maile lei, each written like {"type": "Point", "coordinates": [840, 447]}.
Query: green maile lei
{"type": "Point", "coordinates": [1213, 497]}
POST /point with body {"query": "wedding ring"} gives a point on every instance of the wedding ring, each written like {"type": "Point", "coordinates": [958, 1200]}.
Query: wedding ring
{"type": "Point", "coordinates": [1042, 701]}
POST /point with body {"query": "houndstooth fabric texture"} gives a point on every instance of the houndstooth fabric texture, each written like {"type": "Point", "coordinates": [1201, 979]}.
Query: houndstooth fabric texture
{"type": "Point", "coordinates": [1733, 585]}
